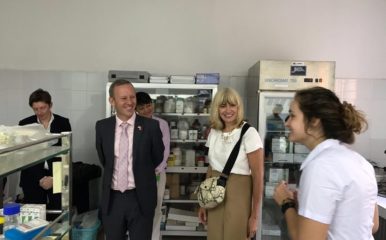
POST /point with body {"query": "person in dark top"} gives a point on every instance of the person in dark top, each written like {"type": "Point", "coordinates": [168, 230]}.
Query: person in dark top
{"type": "Point", "coordinates": [275, 128]}
{"type": "Point", "coordinates": [36, 181]}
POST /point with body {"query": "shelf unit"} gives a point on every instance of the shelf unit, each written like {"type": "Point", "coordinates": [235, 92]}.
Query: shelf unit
{"type": "Point", "coordinates": [200, 232]}
{"type": "Point", "coordinates": [19, 157]}
{"type": "Point", "coordinates": [184, 174]}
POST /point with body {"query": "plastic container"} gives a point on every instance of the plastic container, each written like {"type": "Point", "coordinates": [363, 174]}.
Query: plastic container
{"type": "Point", "coordinates": [15, 234]}
{"type": "Point", "coordinates": [1, 227]}
{"type": "Point", "coordinates": [90, 233]}
{"type": "Point", "coordinates": [183, 126]}
{"type": "Point", "coordinates": [189, 105]}
{"type": "Point", "coordinates": [173, 130]}
{"type": "Point", "coordinates": [11, 215]}
{"type": "Point", "coordinates": [159, 104]}
{"type": "Point", "coordinates": [179, 105]}
{"type": "Point", "coordinates": [170, 105]}
{"type": "Point", "coordinates": [177, 152]}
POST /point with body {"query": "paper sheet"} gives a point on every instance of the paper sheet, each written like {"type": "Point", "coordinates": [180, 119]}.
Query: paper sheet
{"type": "Point", "coordinates": [57, 177]}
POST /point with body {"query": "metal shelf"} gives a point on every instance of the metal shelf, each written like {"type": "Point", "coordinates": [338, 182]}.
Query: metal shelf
{"type": "Point", "coordinates": [183, 233]}
{"type": "Point", "coordinates": [176, 86]}
{"type": "Point", "coordinates": [21, 156]}
{"type": "Point", "coordinates": [183, 114]}
{"type": "Point", "coordinates": [183, 169]}
{"type": "Point", "coordinates": [187, 141]}
{"type": "Point", "coordinates": [179, 201]}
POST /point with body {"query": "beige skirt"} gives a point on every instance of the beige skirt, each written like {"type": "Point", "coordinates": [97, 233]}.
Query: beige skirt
{"type": "Point", "coordinates": [229, 220]}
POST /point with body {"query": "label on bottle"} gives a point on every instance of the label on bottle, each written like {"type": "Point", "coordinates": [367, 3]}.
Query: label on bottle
{"type": "Point", "coordinates": [183, 134]}
{"type": "Point", "coordinates": [174, 133]}
{"type": "Point", "coordinates": [179, 105]}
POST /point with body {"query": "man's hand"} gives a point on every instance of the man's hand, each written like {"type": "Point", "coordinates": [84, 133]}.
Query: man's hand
{"type": "Point", "coordinates": [46, 182]}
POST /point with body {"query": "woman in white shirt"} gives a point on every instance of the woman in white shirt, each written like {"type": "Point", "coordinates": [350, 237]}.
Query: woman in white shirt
{"type": "Point", "coordinates": [337, 193]}
{"type": "Point", "coordinates": [236, 218]}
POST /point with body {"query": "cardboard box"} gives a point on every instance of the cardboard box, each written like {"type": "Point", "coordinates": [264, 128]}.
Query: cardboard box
{"type": "Point", "coordinates": [207, 78]}
{"type": "Point", "coordinates": [172, 178]}
{"type": "Point", "coordinates": [283, 157]}
{"type": "Point", "coordinates": [32, 211]}
{"type": "Point", "coordinates": [300, 157]}
{"type": "Point", "coordinates": [278, 174]}
{"type": "Point", "coordinates": [183, 215]}
{"type": "Point", "coordinates": [279, 145]}
{"type": "Point", "coordinates": [300, 148]}
{"type": "Point", "coordinates": [269, 189]}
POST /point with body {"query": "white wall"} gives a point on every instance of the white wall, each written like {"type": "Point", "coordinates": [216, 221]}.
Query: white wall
{"type": "Point", "coordinates": [185, 36]}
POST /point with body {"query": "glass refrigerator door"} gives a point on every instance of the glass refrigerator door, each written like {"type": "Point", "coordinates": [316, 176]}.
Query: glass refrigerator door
{"type": "Point", "coordinates": [279, 159]}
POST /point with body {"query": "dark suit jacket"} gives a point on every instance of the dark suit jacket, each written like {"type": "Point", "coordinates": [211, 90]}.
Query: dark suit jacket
{"type": "Point", "coordinates": [29, 178]}
{"type": "Point", "coordinates": [148, 151]}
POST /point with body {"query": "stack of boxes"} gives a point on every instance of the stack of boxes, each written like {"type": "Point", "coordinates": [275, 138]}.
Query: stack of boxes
{"type": "Point", "coordinates": [275, 175]}
{"type": "Point", "coordinates": [173, 184]}
{"type": "Point", "coordinates": [282, 150]}
{"type": "Point", "coordinates": [32, 211]}
{"type": "Point", "coordinates": [300, 153]}
{"type": "Point", "coordinates": [184, 220]}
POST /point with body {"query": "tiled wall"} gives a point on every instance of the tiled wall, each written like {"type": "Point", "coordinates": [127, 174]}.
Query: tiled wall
{"type": "Point", "coordinates": [369, 96]}
{"type": "Point", "coordinates": [79, 96]}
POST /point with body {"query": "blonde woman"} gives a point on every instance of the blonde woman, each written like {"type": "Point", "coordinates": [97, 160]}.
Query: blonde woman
{"type": "Point", "coordinates": [236, 218]}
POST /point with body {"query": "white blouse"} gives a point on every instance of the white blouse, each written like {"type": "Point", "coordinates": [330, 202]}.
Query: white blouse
{"type": "Point", "coordinates": [221, 145]}
{"type": "Point", "coordinates": [338, 187]}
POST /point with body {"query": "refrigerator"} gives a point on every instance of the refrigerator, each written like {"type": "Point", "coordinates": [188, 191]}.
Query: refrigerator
{"type": "Point", "coordinates": [271, 86]}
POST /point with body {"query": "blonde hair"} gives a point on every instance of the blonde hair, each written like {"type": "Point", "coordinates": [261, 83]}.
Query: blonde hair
{"type": "Point", "coordinates": [224, 96]}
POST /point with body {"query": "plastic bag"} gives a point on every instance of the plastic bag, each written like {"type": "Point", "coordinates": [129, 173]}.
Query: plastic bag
{"type": "Point", "coordinates": [14, 135]}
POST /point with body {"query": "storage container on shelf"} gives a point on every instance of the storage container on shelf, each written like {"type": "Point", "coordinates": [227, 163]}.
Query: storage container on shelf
{"type": "Point", "coordinates": [11, 216]}
{"type": "Point", "coordinates": [170, 105]}
{"type": "Point", "coordinates": [89, 233]}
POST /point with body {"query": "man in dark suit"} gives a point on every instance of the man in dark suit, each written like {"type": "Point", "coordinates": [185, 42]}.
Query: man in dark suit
{"type": "Point", "coordinates": [129, 190]}
{"type": "Point", "coordinates": [36, 181]}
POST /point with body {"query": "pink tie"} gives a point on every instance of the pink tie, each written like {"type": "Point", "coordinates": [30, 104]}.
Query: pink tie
{"type": "Point", "coordinates": [123, 178]}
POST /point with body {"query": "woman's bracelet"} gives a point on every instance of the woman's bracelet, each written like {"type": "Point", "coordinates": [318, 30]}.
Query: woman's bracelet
{"type": "Point", "coordinates": [287, 203]}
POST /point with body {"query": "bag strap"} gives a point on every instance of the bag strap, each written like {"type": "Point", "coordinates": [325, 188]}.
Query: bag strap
{"type": "Point", "coordinates": [235, 152]}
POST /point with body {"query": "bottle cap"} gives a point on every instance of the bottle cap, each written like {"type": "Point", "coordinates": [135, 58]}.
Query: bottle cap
{"type": "Point", "coordinates": [11, 208]}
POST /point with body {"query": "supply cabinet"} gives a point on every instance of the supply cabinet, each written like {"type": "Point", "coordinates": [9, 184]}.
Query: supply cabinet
{"type": "Point", "coordinates": [186, 108]}
{"type": "Point", "coordinates": [18, 157]}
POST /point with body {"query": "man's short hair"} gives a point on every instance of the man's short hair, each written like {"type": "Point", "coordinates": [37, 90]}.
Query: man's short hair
{"type": "Point", "coordinates": [143, 98]}
{"type": "Point", "coordinates": [40, 95]}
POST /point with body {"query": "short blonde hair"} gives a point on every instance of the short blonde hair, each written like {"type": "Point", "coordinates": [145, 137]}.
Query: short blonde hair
{"type": "Point", "coordinates": [224, 96]}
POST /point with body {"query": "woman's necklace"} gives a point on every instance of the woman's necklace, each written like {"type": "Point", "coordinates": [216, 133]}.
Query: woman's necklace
{"type": "Point", "coordinates": [227, 137]}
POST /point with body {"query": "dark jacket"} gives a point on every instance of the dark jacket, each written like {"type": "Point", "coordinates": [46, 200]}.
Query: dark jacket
{"type": "Point", "coordinates": [148, 151]}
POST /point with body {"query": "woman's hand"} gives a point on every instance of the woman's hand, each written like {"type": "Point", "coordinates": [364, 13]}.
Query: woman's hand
{"type": "Point", "coordinates": [252, 227]}
{"type": "Point", "coordinates": [282, 192]}
{"type": "Point", "coordinates": [202, 215]}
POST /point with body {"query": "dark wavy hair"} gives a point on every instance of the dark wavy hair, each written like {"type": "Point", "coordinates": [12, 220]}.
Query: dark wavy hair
{"type": "Point", "coordinates": [339, 120]}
